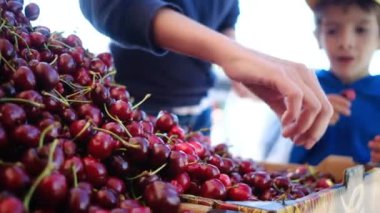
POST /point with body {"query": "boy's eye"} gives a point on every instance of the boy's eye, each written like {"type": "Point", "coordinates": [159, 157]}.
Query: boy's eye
{"type": "Point", "coordinates": [361, 30]}
{"type": "Point", "coordinates": [331, 31]}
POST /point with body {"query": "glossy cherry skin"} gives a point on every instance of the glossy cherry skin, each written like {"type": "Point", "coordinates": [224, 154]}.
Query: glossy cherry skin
{"type": "Point", "coordinates": [14, 179]}
{"type": "Point", "coordinates": [24, 78]}
{"type": "Point", "coordinates": [11, 205]}
{"type": "Point", "coordinates": [12, 115]}
{"type": "Point", "coordinates": [214, 189]}
{"type": "Point", "coordinates": [165, 121]}
{"type": "Point", "coordinates": [53, 188]}
{"type": "Point", "coordinates": [239, 192]}
{"type": "Point", "coordinates": [79, 200]}
{"type": "Point", "coordinates": [47, 76]}
{"type": "Point", "coordinates": [162, 197]}
{"type": "Point", "coordinates": [100, 145]}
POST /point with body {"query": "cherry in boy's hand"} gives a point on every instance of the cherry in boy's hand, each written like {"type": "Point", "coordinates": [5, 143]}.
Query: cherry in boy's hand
{"type": "Point", "coordinates": [374, 146]}
{"type": "Point", "coordinates": [350, 94]}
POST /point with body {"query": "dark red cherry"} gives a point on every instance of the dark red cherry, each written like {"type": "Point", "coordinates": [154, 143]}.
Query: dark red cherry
{"type": "Point", "coordinates": [239, 192]}
{"type": "Point", "coordinates": [11, 205]}
{"type": "Point", "coordinates": [12, 115]}
{"type": "Point", "coordinates": [32, 11]}
{"type": "Point", "coordinates": [162, 197]}
{"type": "Point", "coordinates": [52, 188]}
{"type": "Point", "coordinates": [214, 189]}
{"type": "Point", "coordinates": [47, 76]}
{"type": "Point", "coordinates": [66, 64]}
{"type": "Point", "coordinates": [165, 121]}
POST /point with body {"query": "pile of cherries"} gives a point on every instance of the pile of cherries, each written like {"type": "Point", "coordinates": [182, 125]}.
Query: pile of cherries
{"type": "Point", "coordinates": [73, 140]}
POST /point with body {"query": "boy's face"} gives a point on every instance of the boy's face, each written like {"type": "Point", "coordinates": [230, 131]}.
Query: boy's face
{"type": "Point", "coordinates": [350, 36]}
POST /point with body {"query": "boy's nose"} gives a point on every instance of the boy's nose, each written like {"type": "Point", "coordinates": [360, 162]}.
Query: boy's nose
{"type": "Point", "coordinates": [346, 40]}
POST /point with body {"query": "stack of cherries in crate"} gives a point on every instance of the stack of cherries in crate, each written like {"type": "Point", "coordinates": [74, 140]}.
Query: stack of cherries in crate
{"type": "Point", "coordinates": [72, 140]}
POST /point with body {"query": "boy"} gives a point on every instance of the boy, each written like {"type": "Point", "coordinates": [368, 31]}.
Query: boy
{"type": "Point", "coordinates": [349, 32]}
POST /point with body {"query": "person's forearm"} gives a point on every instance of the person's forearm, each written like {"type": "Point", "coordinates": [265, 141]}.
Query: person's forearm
{"type": "Point", "coordinates": [176, 32]}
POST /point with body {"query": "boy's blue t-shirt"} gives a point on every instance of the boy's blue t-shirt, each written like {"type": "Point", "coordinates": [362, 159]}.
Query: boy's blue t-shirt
{"type": "Point", "coordinates": [351, 134]}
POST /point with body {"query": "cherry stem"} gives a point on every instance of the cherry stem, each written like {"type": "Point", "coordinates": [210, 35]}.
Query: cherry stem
{"type": "Point", "coordinates": [60, 42]}
{"type": "Point", "coordinates": [81, 92]}
{"type": "Point", "coordinates": [63, 101]}
{"type": "Point", "coordinates": [79, 101]}
{"type": "Point", "coordinates": [142, 101]}
{"type": "Point", "coordinates": [108, 74]}
{"type": "Point", "coordinates": [47, 171]}
{"type": "Point", "coordinates": [162, 135]}
{"type": "Point", "coordinates": [118, 138]}
{"type": "Point", "coordinates": [73, 169]}
{"type": "Point", "coordinates": [20, 100]}
{"type": "Point", "coordinates": [7, 63]}
{"type": "Point", "coordinates": [116, 119]}
{"type": "Point", "coordinates": [18, 36]}
{"type": "Point", "coordinates": [54, 60]}
{"type": "Point", "coordinates": [72, 85]}
{"type": "Point", "coordinates": [150, 173]}
{"type": "Point", "coordinates": [88, 123]}
{"type": "Point", "coordinates": [43, 134]}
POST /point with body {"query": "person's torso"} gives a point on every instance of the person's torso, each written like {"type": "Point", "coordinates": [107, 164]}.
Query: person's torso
{"type": "Point", "coordinates": [172, 79]}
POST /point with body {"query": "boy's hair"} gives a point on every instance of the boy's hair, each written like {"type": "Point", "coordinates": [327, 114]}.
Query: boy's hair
{"type": "Point", "coordinates": [319, 6]}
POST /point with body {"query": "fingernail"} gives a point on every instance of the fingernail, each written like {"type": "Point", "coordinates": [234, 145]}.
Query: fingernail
{"type": "Point", "coordinates": [309, 144]}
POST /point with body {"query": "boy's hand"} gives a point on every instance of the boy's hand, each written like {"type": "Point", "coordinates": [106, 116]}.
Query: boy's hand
{"type": "Point", "coordinates": [374, 145]}
{"type": "Point", "coordinates": [341, 105]}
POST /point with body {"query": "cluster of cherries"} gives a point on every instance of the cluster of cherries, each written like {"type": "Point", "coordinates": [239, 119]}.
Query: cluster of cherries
{"type": "Point", "coordinates": [73, 140]}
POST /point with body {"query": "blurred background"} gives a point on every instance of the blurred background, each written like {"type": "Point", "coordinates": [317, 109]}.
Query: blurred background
{"type": "Point", "coordinates": [280, 28]}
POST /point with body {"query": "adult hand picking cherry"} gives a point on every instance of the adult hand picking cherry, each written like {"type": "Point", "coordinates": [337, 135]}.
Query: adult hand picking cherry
{"type": "Point", "coordinates": [289, 88]}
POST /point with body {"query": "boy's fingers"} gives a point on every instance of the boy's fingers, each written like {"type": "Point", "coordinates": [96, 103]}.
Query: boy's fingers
{"type": "Point", "coordinates": [340, 104]}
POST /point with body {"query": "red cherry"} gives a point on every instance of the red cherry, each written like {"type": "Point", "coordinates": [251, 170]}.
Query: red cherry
{"type": "Point", "coordinates": [27, 135]}
{"type": "Point", "coordinates": [12, 115]}
{"type": "Point", "coordinates": [177, 163]}
{"type": "Point", "coordinates": [32, 11]}
{"type": "Point", "coordinates": [162, 197]}
{"type": "Point", "coordinates": [11, 205]}
{"type": "Point", "coordinates": [225, 179]}
{"type": "Point", "coordinates": [120, 93]}
{"type": "Point", "coordinates": [116, 184]}
{"type": "Point", "coordinates": [158, 154]}
{"type": "Point", "coordinates": [96, 172]}
{"type": "Point", "coordinates": [350, 94]}
{"type": "Point", "coordinates": [47, 76]}
{"type": "Point", "coordinates": [73, 40]}
{"type": "Point", "coordinates": [121, 110]}
{"type": "Point", "coordinates": [37, 39]}
{"type": "Point", "coordinates": [66, 64]}
{"type": "Point", "coordinates": [24, 79]}
{"type": "Point", "coordinates": [281, 182]}
{"type": "Point", "coordinates": [100, 145]}
{"type": "Point", "coordinates": [79, 200]}
{"type": "Point", "coordinates": [324, 183]}
{"type": "Point", "coordinates": [214, 189]}
{"type": "Point", "coordinates": [165, 121]}
{"type": "Point", "coordinates": [106, 198]}
{"type": "Point", "coordinates": [239, 192]}
{"type": "Point", "coordinates": [52, 188]}
{"type": "Point", "coordinates": [73, 163]}
{"type": "Point", "coordinates": [106, 58]}
{"type": "Point", "coordinates": [260, 180]}
{"type": "Point", "coordinates": [14, 179]}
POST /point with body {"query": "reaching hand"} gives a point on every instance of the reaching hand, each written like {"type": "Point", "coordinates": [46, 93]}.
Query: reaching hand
{"type": "Point", "coordinates": [341, 105]}
{"type": "Point", "coordinates": [374, 145]}
{"type": "Point", "coordinates": [290, 89]}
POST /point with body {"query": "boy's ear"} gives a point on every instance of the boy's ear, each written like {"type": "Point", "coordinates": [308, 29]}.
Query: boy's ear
{"type": "Point", "coordinates": [316, 34]}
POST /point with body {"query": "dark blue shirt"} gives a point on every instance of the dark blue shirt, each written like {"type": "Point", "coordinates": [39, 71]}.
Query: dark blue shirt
{"type": "Point", "coordinates": [172, 79]}
{"type": "Point", "coordinates": [351, 134]}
